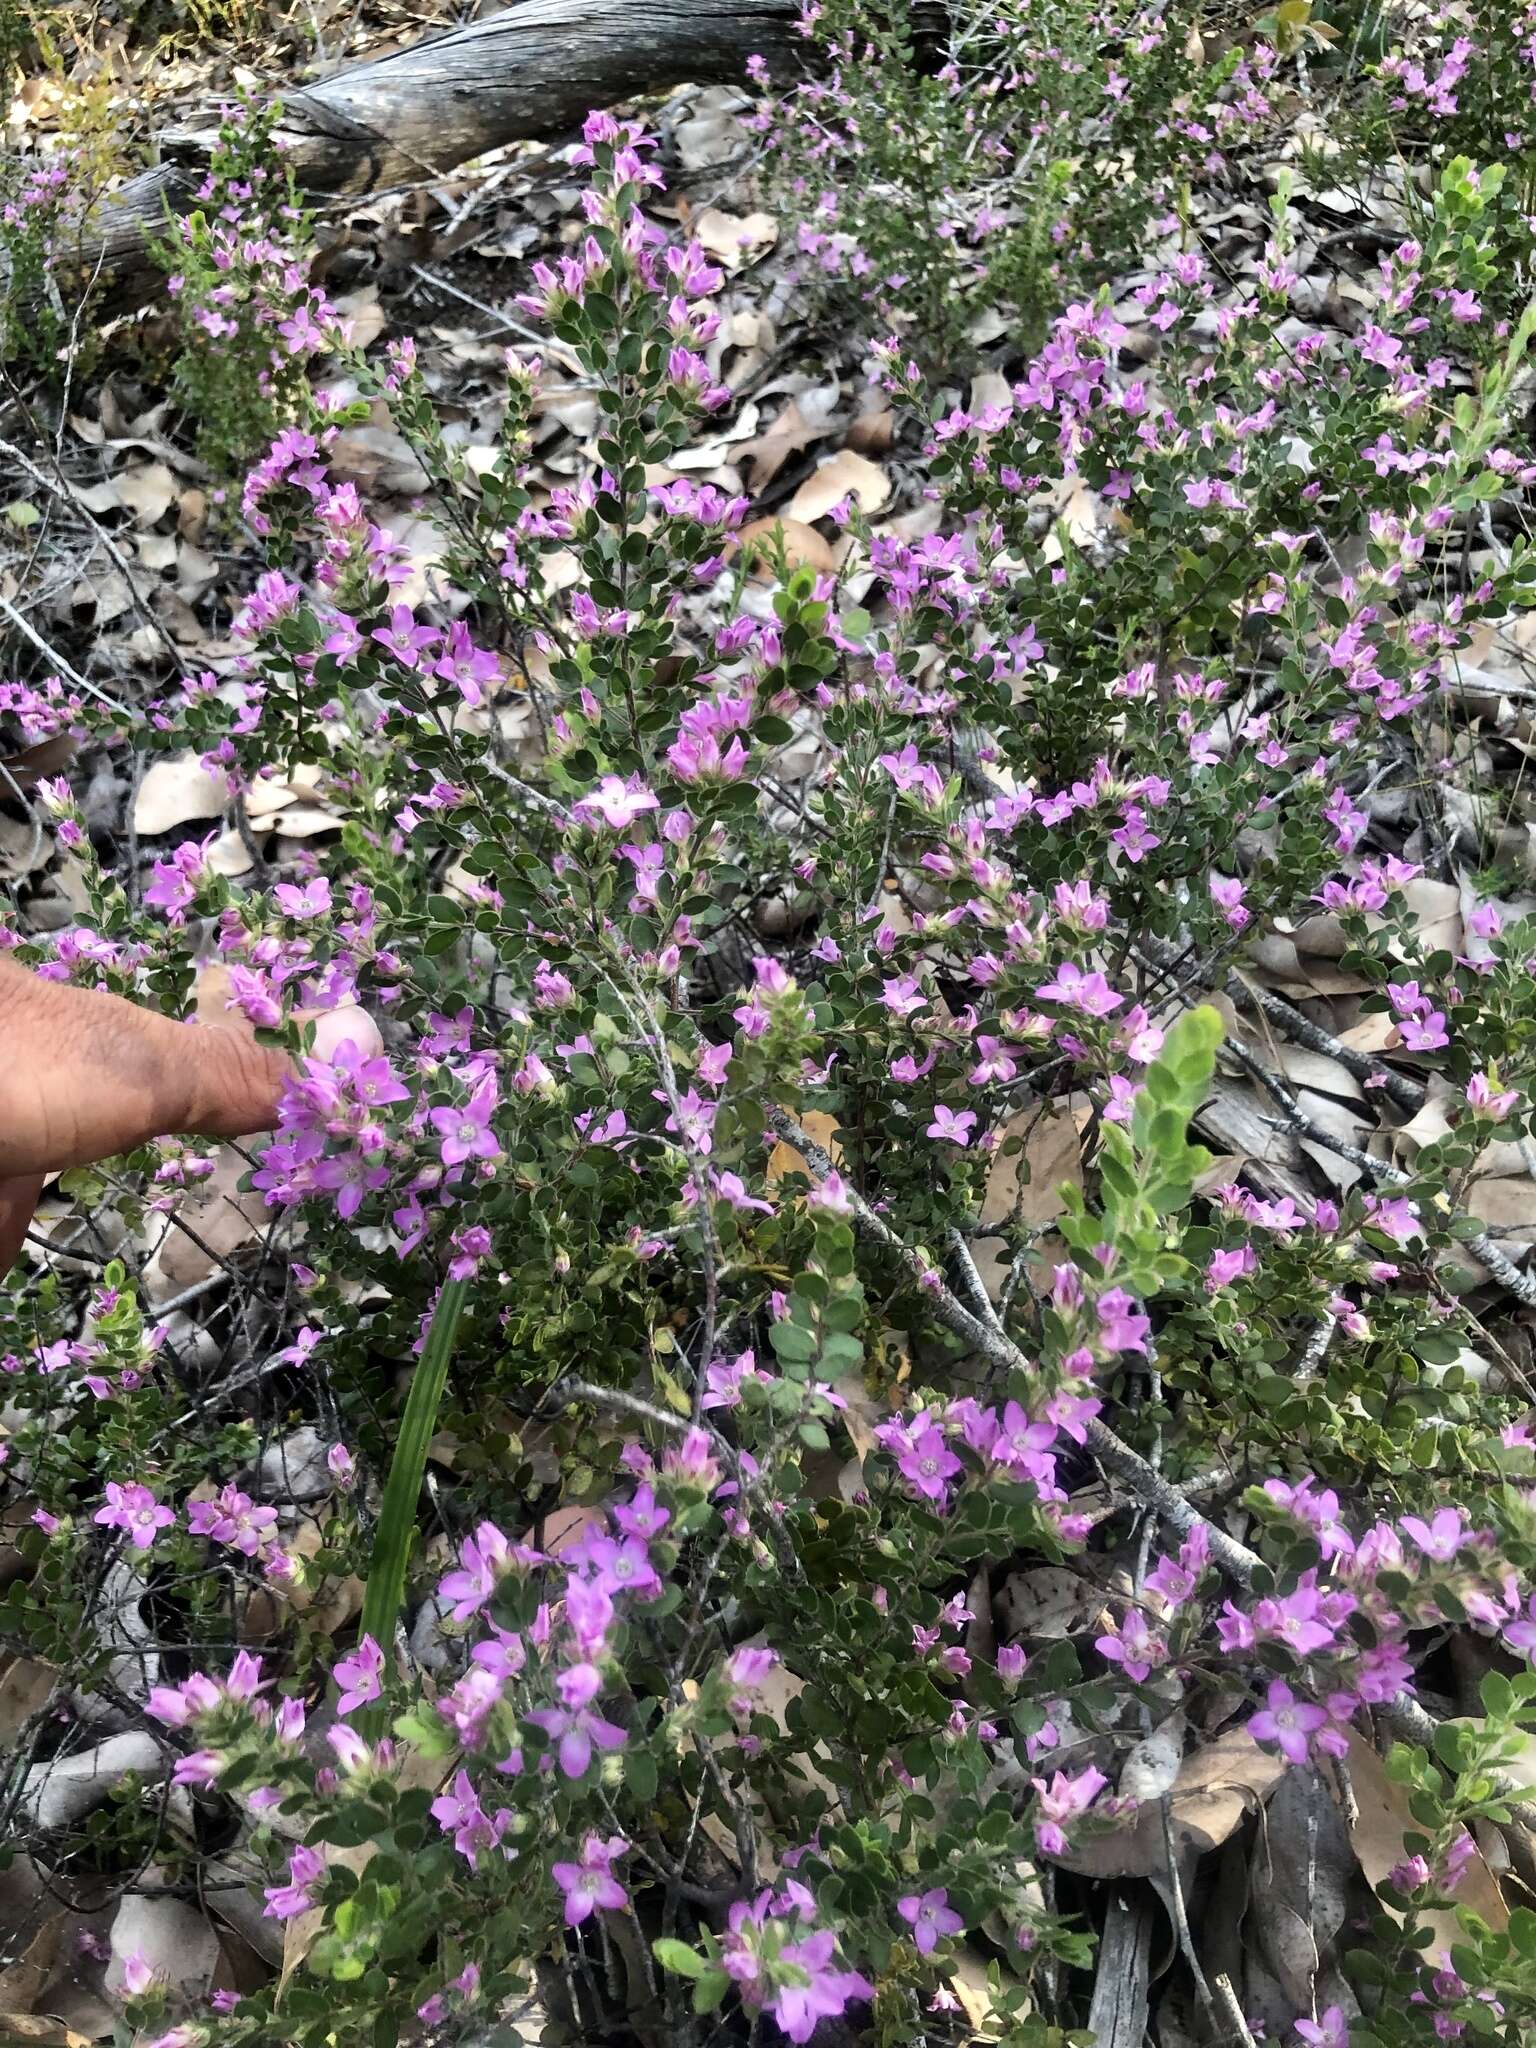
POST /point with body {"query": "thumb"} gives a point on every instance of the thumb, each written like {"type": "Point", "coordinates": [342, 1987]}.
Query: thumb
{"type": "Point", "coordinates": [237, 1083]}
{"type": "Point", "coordinates": [18, 1199]}
{"type": "Point", "coordinates": [226, 1085]}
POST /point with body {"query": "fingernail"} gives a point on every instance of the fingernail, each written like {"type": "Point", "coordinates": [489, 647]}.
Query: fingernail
{"type": "Point", "coordinates": [346, 1026]}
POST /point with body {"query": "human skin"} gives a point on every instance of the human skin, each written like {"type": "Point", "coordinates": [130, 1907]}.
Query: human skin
{"type": "Point", "coordinates": [84, 1076]}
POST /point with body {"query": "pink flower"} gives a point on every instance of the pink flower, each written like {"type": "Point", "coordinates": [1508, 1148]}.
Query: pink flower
{"type": "Point", "coordinates": [1060, 1801]}
{"type": "Point", "coordinates": [360, 1676]}
{"type": "Point", "coordinates": [746, 1668]}
{"type": "Point", "coordinates": [1134, 1648]}
{"type": "Point", "coordinates": [174, 883]}
{"type": "Point", "coordinates": [466, 1133]}
{"type": "Point", "coordinates": [1228, 899]}
{"type": "Point", "coordinates": [134, 1510]}
{"type": "Point", "coordinates": [460, 1814]}
{"type": "Point", "coordinates": [1439, 1539]}
{"type": "Point", "coordinates": [929, 1916]}
{"type": "Point", "coordinates": [616, 803]}
{"type": "Point", "coordinates": [590, 1885]}
{"type": "Point", "coordinates": [313, 899]}
{"type": "Point", "coordinates": [1090, 993]}
{"type": "Point", "coordinates": [1287, 1722]}
{"type": "Point", "coordinates": [1122, 1326]}
{"type": "Point", "coordinates": [924, 1460]}
{"type": "Point", "coordinates": [138, 1975]}
{"type": "Point", "coordinates": [1328, 2032]}
{"type": "Point", "coordinates": [306, 1869]}
{"type": "Point", "coordinates": [1521, 1634]}
{"type": "Point", "coordinates": [403, 638]}
{"type": "Point", "coordinates": [1011, 1661]}
{"type": "Point", "coordinates": [1226, 1266]}
{"type": "Point", "coordinates": [1488, 1100]}
{"type": "Point", "coordinates": [825, 1991]}
{"type": "Point", "coordinates": [954, 1127]}
{"type": "Point", "coordinates": [572, 1726]}
{"type": "Point", "coordinates": [1395, 1216]}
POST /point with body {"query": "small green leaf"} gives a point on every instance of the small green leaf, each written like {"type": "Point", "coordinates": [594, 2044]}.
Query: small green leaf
{"type": "Point", "coordinates": [679, 1958]}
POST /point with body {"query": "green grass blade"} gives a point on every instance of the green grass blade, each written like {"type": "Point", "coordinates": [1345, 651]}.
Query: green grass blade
{"type": "Point", "coordinates": [397, 1517]}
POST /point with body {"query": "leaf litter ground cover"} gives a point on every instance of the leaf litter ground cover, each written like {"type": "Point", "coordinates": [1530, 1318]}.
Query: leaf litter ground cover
{"type": "Point", "coordinates": [889, 1398]}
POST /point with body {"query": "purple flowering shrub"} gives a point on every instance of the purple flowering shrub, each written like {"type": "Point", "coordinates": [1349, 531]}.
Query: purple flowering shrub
{"type": "Point", "coordinates": [948, 192]}
{"type": "Point", "coordinates": [42, 204]}
{"type": "Point", "coordinates": [730, 926]}
{"type": "Point", "coordinates": [1449, 83]}
{"type": "Point", "coordinates": [237, 273]}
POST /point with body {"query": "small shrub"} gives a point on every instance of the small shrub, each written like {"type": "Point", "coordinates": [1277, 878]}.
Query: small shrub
{"type": "Point", "coordinates": [734, 931]}
{"type": "Point", "coordinates": [237, 272]}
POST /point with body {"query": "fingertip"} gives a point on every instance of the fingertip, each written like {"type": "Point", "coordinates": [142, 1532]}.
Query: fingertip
{"type": "Point", "coordinates": [348, 1025]}
{"type": "Point", "coordinates": [18, 1201]}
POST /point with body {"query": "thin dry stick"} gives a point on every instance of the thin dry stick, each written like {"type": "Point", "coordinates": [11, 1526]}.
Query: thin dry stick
{"type": "Point", "coordinates": [1226, 1998]}
{"type": "Point", "coordinates": [1398, 1088]}
{"type": "Point", "coordinates": [51, 654]}
{"type": "Point", "coordinates": [1180, 1911]}
{"type": "Point", "coordinates": [1520, 1284]}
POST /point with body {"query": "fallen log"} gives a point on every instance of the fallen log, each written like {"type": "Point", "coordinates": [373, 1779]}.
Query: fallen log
{"type": "Point", "coordinates": [532, 70]}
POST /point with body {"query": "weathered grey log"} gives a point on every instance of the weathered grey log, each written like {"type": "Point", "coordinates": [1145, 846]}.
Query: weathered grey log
{"type": "Point", "coordinates": [1117, 2017]}
{"type": "Point", "coordinates": [533, 70]}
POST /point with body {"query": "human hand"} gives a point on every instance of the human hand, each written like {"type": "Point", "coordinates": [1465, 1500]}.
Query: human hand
{"type": "Point", "coordinates": [84, 1076]}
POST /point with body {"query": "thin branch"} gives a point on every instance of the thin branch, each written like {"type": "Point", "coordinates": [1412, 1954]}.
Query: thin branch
{"type": "Point", "coordinates": [51, 654]}
{"type": "Point", "coordinates": [1522, 1285]}
{"type": "Point", "coordinates": [999, 1349]}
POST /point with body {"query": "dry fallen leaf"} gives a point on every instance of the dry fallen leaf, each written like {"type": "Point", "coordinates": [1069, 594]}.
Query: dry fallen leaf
{"type": "Point", "coordinates": [1339, 1122]}
{"type": "Point", "coordinates": [1152, 1765]}
{"type": "Point", "coordinates": [1317, 1071]}
{"type": "Point", "coordinates": [379, 459]}
{"type": "Point", "coordinates": [330, 1603]}
{"type": "Point", "coordinates": [570, 407]}
{"type": "Point", "coordinates": [24, 1687]}
{"type": "Point", "coordinates": [874, 428]}
{"type": "Point", "coordinates": [803, 546]}
{"type": "Point", "coordinates": [219, 1221]}
{"type": "Point", "coordinates": [1379, 1825]}
{"type": "Point", "coordinates": [172, 1936]}
{"type": "Point", "coordinates": [1216, 1788]}
{"type": "Point", "coordinates": [22, 1982]}
{"type": "Point", "coordinates": [733, 238]}
{"type": "Point", "coordinates": [1371, 1035]}
{"type": "Point", "coordinates": [100, 598]}
{"type": "Point", "coordinates": [147, 489]}
{"type": "Point", "coordinates": [845, 475]}
{"type": "Point", "coordinates": [365, 317]}
{"type": "Point", "coordinates": [1507, 1205]}
{"type": "Point", "coordinates": [804, 420]}
{"type": "Point", "coordinates": [157, 551]}
{"type": "Point", "coordinates": [1047, 1601]}
{"type": "Point", "coordinates": [1025, 1185]}
{"type": "Point", "coordinates": [177, 789]}
{"type": "Point", "coordinates": [1280, 966]}
{"type": "Point", "coordinates": [45, 2033]}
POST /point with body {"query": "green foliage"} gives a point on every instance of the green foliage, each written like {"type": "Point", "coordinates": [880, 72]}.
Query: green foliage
{"type": "Point", "coordinates": [235, 274]}
{"type": "Point", "coordinates": [932, 207]}
{"type": "Point", "coordinates": [395, 1532]}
